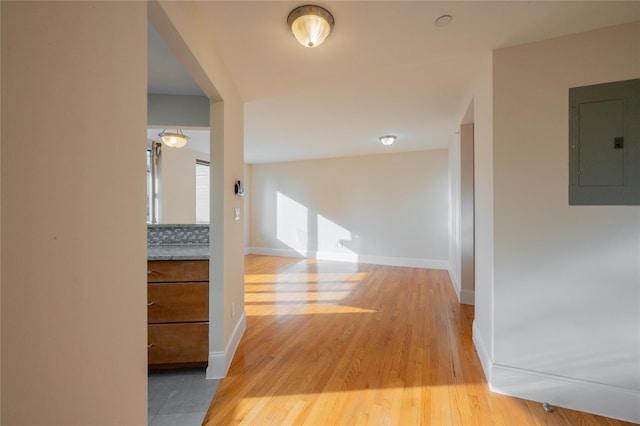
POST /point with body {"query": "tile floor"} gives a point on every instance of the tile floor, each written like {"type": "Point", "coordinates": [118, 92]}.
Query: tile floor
{"type": "Point", "coordinates": [179, 397]}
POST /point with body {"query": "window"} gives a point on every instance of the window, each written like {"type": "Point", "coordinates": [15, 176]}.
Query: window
{"type": "Point", "coordinates": [202, 191]}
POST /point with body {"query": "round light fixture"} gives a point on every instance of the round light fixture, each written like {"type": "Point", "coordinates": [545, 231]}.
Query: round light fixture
{"type": "Point", "coordinates": [174, 140]}
{"type": "Point", "coordinates": [310, 24]}
{"type": "Point", "coordinates": [387, 140]}
{"type": "Point", "coordinates": [443, 20]}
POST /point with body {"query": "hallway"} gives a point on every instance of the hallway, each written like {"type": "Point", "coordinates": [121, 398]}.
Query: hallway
{"type": "Point", "coordinates": [330, 343]}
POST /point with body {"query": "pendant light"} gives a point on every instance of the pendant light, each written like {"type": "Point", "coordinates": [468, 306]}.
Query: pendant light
{"type": "Point", "coordinates": [310, 24]}
{"type": "Point", "coordinates": [174, 140]}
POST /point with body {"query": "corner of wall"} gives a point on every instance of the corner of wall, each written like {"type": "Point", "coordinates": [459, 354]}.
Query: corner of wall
{"type": "Point", "coordinates": [467, 297]}
{"type": "Point", "coordinates": [247, 207]}
{"type": "Point", "coordinates": [483, 354]}
{"type": "Point", "coordinates": [483, 327]}
{"type": "Point", "coordinates": [454, 281]}
{"type": "Point", "coordinates": [0, 225]}
{"type": "Point", "coordinates": [219, 362]}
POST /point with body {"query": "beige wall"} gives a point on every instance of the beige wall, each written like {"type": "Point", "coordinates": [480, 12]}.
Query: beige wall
{"type": "Point", "coordinates": [180, 26]}
{"type": "Point", "coordinates": [178, 184]}
{"type": "Point", "coordinates": [567, 281]}
{"type": "Point", "coordinates": [467, 267]}
{"type": "Point", "coordinates": [227, 166]}
{"type": "Point", "coordinates": [483, 176]}
{"type": "Point", "coordinates": [247, 205]}
{"type": "Point", "coordinates": [0, 221]}
{"type": "Point", "coordinates": [461, 219]}
{"type": "Point", "coordinates": [177, 110]}
{"type": "Point", "coordinates": [455, 250]}
{"type": "Point", "coordinates": [73, 228]}
{"type": "Point", "coordinates": [388, 209]}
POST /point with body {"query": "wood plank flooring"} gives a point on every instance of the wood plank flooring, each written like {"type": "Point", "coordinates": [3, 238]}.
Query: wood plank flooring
{"type": "Point", "coordinates": [331, 343]}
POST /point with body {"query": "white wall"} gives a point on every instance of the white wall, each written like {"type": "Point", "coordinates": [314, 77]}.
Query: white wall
{"type": "Point", "coordinates": [461, 235]}
{"type": "Point", "coordinates": [247, 204]}
{"type": "Point", "coordinates": [227, 251]}
{"type": "Point", "coordinates": [181, 28]}
{"type": "Point", "coordinates": [73, 213]}
{"type": "Point", "coordinates": [455, 243]}
{"type": "Point", "coordinates": [386, 209]}
{"type": "Point", "coordinates": [177, 110]}
{"type": "Point", "coordinates": [483, 165]}
{"type": "Point", "coordinates": [178, 184]}
{"type": "Point", "coordinates": [0, 220]}
{"type": "Point", "coordinates": [567, 278]}
{"type": "Point", "coordinates": [467, 239]}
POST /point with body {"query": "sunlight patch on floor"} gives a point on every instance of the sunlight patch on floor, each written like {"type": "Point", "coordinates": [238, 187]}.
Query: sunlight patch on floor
{"type": "Point", "coordinates": [311, 297]}
{"type": "Point", "coordinates": [305, 278]}
{"type": "Point", "coordinates": [301, 309]}
{"type": "Point", "coordinates": [291, 293]}
{"type": "Point", "coordinates": [297, 288]}
{"type": "Point", "coordinates": [330, 407]}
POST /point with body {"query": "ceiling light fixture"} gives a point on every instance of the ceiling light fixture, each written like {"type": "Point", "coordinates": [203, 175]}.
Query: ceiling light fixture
{"type": "Point", "coordinates": [443, 20]}
{"type": "Point", "coordinates": [310, 24]}
{"type": "Point", "coordinates": [174, 140]}
{"type": "Point", "coordinates": [387, 140]}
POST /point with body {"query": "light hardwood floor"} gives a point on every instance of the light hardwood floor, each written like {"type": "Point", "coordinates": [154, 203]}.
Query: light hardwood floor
{"type": "Point", "coordinates": [331, 343]}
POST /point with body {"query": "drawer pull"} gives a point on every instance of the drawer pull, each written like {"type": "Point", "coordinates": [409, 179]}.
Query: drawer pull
{"type": "Point", "coordinates": [150, 304]}
{"type": "Point", "coordinates": [150, 345]}
{"type": "Point", "coordinates": [150, 271]}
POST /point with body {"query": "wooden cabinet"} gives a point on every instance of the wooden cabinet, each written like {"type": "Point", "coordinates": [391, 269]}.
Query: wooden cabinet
{"type": "Point", "coordinates": [178, 313]}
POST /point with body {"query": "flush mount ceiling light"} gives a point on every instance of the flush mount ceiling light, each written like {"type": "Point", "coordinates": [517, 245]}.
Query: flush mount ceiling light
{"type": "Point", "coordinates": [387, 140]}
{"type": "Point", "coordinates": [174, 140]}
{"type": "Point", "coordinates": [310, 24]}
{"type": "Point", "coordinates": [443, 20]}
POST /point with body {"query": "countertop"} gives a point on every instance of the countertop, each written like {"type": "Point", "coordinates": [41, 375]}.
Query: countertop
{"type": "Point", "coordinates": [178, 252]}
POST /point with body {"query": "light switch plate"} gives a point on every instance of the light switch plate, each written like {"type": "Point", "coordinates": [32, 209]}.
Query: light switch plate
{"type": "Point", "coordinates": [237, 213]}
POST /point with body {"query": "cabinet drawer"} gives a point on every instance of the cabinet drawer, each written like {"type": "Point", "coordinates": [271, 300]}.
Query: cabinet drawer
{"type": "Point", "coordinates": [178, 343]}
{"type": "Point", "coordinates": [183, 302]}
{"type": "Point", "coordinates": [177, 270]}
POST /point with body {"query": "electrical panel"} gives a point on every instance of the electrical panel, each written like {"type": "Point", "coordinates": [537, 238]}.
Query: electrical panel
{"type": "Point", "coordinates": [604, 144]}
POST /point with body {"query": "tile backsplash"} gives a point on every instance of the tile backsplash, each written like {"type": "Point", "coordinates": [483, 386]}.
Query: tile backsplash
{"type": "Point", "coordinates": [177, 234]}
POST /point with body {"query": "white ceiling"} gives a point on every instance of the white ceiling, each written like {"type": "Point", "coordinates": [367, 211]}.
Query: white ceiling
{"type": "Point", "coordinates": [385, 69]}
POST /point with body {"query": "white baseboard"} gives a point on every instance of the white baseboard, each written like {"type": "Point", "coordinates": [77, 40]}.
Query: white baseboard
{"type": "Point", "coordinates": [454, 280]}
{"type": "Point", "coordinates": [274, 252]}
{"type": "Point", "coordinates": [581, 395]}
{"type": "Point", "coordinates": [590, 397]}
{"type": "Point", "coordinates": [353, 258]}
{"type": "Point", "coordinates": [219, 362]}
{"type": "Point", "coordinates": [483, 353]}
{"type": "Point", "coordinates": [466, 297]}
